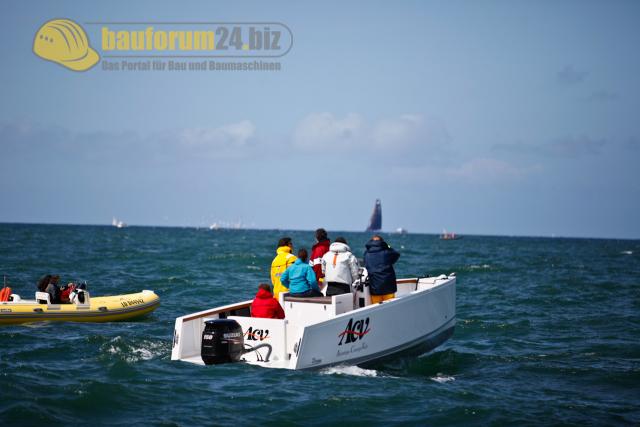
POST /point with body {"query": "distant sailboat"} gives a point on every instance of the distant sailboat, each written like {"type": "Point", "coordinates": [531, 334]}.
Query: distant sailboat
{"type": "Point", "coordinates": [224, 225]}
{"type": "Point", "coordinates": [117, 224]}
{"type": "Point", "coordinates": [375, 223]}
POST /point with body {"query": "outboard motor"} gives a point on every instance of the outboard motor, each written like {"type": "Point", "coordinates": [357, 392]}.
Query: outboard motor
{"type": "Point", "coordinates": [222, 342]}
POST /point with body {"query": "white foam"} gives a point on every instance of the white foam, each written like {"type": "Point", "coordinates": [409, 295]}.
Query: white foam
{"type": "Point", "coordinates": [479, 267]}
{"type": "Point", "coordinates": [143, 353]}
{"type": "Point", "coordinates": [35, 325]}
{"type": "Point", "coordinates": [440, 378]}
{"type": "Point", "coordinates": [146, 350]}
{"type": "Point", "coordinates": [350, 370]}
{"type": "Point", "coordinates": [627, 252]}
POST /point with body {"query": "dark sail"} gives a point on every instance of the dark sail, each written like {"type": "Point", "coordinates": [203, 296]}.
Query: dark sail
{"type": "Point", "coordinates": [375, 223]}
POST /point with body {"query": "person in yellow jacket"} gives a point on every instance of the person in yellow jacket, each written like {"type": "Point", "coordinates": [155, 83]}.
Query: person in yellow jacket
{"type": "Point", "coordinates": [284, 258]}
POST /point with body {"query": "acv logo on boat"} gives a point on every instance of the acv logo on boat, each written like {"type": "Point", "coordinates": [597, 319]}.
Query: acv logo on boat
{"type": "Point", "coordinates": [354, 331]}
{"type": "Point", "coordinates": [256, 334]}
{"type": "Point", "coordinates": [66, 43]}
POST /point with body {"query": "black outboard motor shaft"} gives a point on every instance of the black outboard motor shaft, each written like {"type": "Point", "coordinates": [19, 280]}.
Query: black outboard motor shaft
{"type": "Point", "coordinates": [222, 342]}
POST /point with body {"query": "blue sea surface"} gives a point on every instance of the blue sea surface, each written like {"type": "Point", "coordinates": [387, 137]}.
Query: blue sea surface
{"type": "Point", "coordinates": [548, 333]}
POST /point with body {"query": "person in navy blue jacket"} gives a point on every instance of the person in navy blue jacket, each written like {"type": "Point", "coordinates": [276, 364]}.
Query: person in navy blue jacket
{"type": "Point", "coordinates": [378, 260]}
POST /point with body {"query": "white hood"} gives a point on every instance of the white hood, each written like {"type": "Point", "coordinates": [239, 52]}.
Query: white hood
{"type": "Point", "coordinates": [338, 247]}
{"type": "Point", "coordinates": [339, 264]}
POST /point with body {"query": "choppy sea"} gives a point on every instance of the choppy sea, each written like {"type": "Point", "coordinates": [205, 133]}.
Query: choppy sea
{"type": "Point", "coordinates": [548, 333]}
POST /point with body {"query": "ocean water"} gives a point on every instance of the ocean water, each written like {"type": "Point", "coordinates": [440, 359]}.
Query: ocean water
{"type": "Point", "coordinates": [548, 333]}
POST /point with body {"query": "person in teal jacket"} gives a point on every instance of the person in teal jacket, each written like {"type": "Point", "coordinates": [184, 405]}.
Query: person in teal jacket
{"type": "Point", "coordinates": [300, 278]}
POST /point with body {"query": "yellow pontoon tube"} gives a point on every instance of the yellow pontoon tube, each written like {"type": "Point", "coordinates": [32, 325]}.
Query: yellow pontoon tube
{"type": "Point", "coordinates": [98, 309]}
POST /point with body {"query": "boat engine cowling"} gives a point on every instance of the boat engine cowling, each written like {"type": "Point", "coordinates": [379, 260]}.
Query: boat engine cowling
{"type": "Point", "coordinates": [222, 342]}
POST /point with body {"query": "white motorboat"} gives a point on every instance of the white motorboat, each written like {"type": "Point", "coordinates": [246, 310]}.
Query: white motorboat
{"type": "Point", "coordinates": [223, 225]}
{"type": "Point", "coordinates": [449, 236]}
{"type": "Point", "coordinates": [319, 332]}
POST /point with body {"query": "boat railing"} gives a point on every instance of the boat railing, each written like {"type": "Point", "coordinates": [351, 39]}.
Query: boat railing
{"type": "Point", "coordinates": [313, 300]}
{"type": "Point", "coordinates": [406, 286]}
{"type": "Point", "coordinates": [240, 309]}
{"type": "Point", "coordinates": [188, 329]}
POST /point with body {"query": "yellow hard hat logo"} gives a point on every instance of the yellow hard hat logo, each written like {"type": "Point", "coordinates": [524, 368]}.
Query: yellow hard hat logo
{"type": "Point", "coordinates": [64, 42]}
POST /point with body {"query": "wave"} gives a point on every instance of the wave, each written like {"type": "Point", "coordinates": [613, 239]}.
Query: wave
{"type": "Point", "coordinates": [441, 378]}
{"type": "Point", "coordinates": [36, 325]}
{"type": "Point", "coordinates": [132, 352]}
{"type": "Point", "coordinates": [355, 371]}
{"type": "Point", "coordinates": [473, 267]}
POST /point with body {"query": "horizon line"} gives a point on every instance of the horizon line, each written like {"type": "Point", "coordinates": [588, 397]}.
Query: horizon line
{"type": "Point", "coordinates": [312, 230]}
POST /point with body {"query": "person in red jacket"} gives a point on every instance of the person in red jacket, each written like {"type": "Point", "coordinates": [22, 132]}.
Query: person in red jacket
{"type": "Point", "coordinates": [317, 251]}
{"type": "Point", "coordinates": [265, 305]}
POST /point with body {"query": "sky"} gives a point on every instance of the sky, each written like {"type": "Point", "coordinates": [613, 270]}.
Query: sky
{"type": "Point", "coordinates": [494, 118]}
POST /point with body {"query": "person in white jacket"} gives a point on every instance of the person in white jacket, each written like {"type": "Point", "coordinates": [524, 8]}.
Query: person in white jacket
{"type": "Point", "coordinates": [340, 268]}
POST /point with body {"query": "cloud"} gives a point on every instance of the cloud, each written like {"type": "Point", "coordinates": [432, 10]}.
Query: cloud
{"type": "Point", "coordinates": [480, 170]}
{"type": "Point", "coordinates": [602, 96]}
{"type": "Point", "coordinates": [324, 129]}
{"type": "Point", "coordinates": [569, 76]}
{"type": "Point", "coordinates": [33, 141]}
{"type": "Point", "coordinates": [632, 144]}
{"type": "Point", "coordinates": [230, 140]}
{"type": "Point", "coordinates": [398, 133]}
{"type": "Point", "coordinates": [485, 169]}
{"type": "Point", "coordinates": [570, 147]}
{"type": "Point", "coordinates": [574, 147]}
{"type": "Point", "coordinates": [234, 135]}
{"type": "Point", "coordinates": [391, 137]}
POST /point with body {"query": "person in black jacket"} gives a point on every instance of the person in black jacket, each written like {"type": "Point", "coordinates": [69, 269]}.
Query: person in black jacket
{"type": "Point", "coordinates": [378, 260]}
{"type": "Point", "coordinates": [54, 289]}
{"type": "Point", "coordinates": [43, 283]}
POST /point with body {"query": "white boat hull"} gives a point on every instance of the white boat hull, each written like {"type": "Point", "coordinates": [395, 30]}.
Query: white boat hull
{"type": "Point", "coordinates": [329, 331]}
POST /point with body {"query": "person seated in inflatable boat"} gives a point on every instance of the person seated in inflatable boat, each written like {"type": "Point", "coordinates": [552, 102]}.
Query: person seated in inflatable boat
{"type": "Point", "coordinates": [43, 283]}
{"type": "Point", "coordinates": [49, 284]}
{"type": "Point", "coordinates": [57, 294]}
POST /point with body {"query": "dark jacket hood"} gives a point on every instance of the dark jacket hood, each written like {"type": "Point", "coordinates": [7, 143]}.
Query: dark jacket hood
{"type": "Point", "coordinates": [376, 245]}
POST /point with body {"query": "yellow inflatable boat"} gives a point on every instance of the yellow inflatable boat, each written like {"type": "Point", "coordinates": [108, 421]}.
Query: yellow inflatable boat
{"type": "Point", "coordinates": [83, 308]}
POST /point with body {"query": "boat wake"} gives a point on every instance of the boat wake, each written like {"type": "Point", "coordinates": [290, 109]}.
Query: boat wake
{"type": "Point", "coordinates": [350, 370]}
{"type": "Point", "coordinates": [627, 252]}
{"type": "Point", "coordinates": [441, 378]}
{"type": "Point", "coordinates": [134, 352]}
